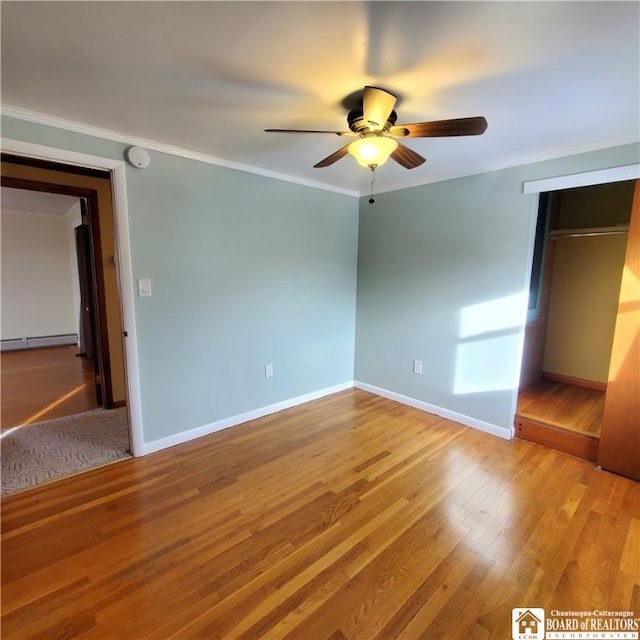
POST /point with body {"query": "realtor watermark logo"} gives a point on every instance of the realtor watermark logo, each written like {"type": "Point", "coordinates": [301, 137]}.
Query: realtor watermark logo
{"type": "Point", "coordinates": [527, 624]}
{"type": "Point", "coordinates": [534, 624]}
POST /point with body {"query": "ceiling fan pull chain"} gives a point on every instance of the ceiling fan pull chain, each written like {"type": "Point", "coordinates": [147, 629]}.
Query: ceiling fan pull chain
{"type": "Point", "coordinates": [373, 175]}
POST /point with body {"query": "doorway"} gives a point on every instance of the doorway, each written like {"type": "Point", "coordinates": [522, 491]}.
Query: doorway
{"type": "Point", "coordinates": [48, 362]}
{"type": "Point", "coordinates": [578, 263]}
{"type": "Point", "coordinates": [99, 349]}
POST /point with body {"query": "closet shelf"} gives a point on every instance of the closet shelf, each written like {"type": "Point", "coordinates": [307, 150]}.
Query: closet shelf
{"type": "Point", "coordinates": [589, 231]}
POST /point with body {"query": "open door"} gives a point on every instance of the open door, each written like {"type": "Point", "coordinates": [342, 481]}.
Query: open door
{"type": "Point", "coordinates": [88, 329]}
{"type": "Point", "coordinates": [619, 449]}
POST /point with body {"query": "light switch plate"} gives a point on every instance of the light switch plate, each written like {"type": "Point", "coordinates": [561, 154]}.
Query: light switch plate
{"type": "Point", "coordinates": [144, 287]}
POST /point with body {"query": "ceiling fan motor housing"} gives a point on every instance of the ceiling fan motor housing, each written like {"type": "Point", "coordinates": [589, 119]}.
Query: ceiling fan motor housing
{"type": "Point", "coordinates": [359, 125]}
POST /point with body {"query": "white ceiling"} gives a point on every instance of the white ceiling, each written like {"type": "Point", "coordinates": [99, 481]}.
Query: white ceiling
{"type": "Point", "coordinates": [552, 78]}
{"type": "Point", "coordinates": [24, 201]}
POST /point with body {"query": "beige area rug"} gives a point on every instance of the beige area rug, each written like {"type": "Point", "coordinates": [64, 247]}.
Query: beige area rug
{"type": "Point", "coordinates": [52, 449]}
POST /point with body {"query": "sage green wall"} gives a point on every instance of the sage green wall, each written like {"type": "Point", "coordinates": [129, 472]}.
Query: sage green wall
{"type": "Point", "coordinates": [245, 271]}
{"type": "Point", "coordinates": [442, 275]}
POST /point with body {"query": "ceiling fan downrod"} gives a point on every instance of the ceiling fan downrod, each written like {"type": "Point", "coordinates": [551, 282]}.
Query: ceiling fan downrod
{"type": "Point", "coordinates": [373, 175]}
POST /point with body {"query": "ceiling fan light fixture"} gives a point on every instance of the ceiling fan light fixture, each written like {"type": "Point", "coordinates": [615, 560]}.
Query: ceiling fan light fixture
{"type": "Point", "coordinates": [372, 151]}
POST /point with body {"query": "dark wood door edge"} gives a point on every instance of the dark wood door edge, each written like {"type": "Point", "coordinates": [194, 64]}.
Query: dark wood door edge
{"type": "Point", "coordinates": [55, 166]}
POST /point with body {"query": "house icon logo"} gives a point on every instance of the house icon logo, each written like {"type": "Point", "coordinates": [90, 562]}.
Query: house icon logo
{"type": "Point", "coordinates": [527, 624]}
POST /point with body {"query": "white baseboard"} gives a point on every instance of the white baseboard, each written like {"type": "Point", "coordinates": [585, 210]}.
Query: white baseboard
{"type": "Point", "coordinates": [198, 432]}
{"type": "Point", "coordinates": [468, 421]}
{"type": "Point", "coordinates": [15, 344]}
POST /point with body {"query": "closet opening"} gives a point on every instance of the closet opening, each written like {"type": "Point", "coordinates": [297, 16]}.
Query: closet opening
{"type": "Point", "coordinates": [578, 262]}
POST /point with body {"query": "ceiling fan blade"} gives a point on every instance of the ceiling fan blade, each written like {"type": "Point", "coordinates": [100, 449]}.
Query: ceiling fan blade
{"type": "Point", "coordinates": [337, 133]}
{"type": "Point", "coordinates": [334, 157]}
{"type": "Point", "coordinates": [377, 105]}
{"type": "Point", "coordinates": [441, 128]}
{"type": "Point", "coordinates": [408, 158]}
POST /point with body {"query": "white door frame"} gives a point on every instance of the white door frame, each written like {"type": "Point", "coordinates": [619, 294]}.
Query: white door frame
{"type": "Point", "coordinates": [584, 179]}
{"type": "Point", "coordinates": [123, 262]}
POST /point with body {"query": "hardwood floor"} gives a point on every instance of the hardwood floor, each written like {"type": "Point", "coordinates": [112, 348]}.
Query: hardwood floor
{"type": "Point", "coordinates": [40, 384]}
{"type": "Point", "coordinates": [348, 517]}
{"type": "Point", "coordinates": [563, 405]}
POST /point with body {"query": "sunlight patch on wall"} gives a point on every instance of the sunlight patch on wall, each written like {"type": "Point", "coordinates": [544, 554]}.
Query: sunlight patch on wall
{"type": "Point", "coordinates": [630, 286]}
{"type": "Point", "coordinates": [626, 328]}
{"type": "Point", "coordinates": [487, 362]}
{"type": "Point", "coordinates": [494, 315]}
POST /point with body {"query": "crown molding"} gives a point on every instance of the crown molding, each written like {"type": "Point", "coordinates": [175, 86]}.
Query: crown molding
{"type": "Point", "coordinates": [180, 152]}
{"type": "Point", "coordinates": [115, 136]}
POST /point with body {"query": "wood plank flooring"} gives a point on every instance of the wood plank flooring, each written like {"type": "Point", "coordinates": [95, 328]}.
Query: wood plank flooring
{"type": "Point", "coordinates": [349, 517]}
{"type": "Point", "coordinates": [41, 384]}
{"type": "Point", "coordinates": [563, 405]}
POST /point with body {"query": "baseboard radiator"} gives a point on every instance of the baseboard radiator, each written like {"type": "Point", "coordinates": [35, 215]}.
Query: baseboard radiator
{"type": "Point", "coordinates": [35, 342]}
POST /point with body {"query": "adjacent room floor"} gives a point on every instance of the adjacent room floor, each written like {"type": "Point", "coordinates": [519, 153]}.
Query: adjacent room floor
{"type": "Point", "coordinates": [40, 384]}
{"type": "Point", "coordinates": [347, 517]}
{"type": "Point", "coordinates": [51, 423]}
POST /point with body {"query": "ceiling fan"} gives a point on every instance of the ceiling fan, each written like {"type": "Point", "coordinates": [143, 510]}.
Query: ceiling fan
{"type": "Point", "coordinates": [374, 124]}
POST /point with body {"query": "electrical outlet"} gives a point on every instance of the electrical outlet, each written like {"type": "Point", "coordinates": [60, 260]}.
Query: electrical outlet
{"type": "Point", "coordinates": [417, 367]}
{"type": "Point", "coordinates": [268, 370]}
